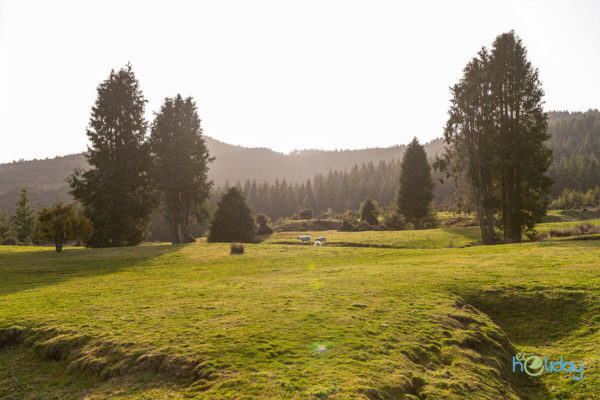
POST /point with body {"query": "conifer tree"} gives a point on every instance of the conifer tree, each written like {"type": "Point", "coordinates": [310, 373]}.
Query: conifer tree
{"type": "Point", "coordinates": [116, 192]}
{"type": "Point", "coordinates": [233, 220]}
{"type": "Point", "coordinates": [367, 212]}
{"type": "Point", "coordinates": [180, 159]}
{"type": "Point", "coordinates": [7, 234]}
{"type": "Point", "coordinates": [416, 186]}
{"type": "Point", "coordinates": [496, 138]}
{"type": "Point", "coordinates": [23, 220]}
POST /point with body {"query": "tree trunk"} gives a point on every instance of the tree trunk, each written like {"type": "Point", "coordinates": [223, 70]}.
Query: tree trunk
{"type": "Point", "coordinates": [174, 228]}
{"type": "Point", "coordinates": [185, 224]}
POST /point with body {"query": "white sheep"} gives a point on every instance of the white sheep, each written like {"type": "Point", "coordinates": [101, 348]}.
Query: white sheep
{"type": "Point", "coordinates": [317, 243]}
{"type": "Point", "coordinates": [321, 239]}
{"type": "Point", "coordinates": [304, 238]}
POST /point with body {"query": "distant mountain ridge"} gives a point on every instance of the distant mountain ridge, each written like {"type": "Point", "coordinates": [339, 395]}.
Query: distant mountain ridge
{"type": "Point", "coordinates": [46, 179]}
{"type": "Point", "coordinates": [575, 136]}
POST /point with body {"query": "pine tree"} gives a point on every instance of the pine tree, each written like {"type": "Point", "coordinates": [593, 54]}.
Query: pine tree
{"type": "Point", "coordinates": [7, 234]}
{"type": "Point", "coordinates": [496, 138]}
{"type": "Point", "coordinates": [233, 220]}
{"type": "Point", "coordinates": [181, 159]}
{"type": "Point", "coordinates": [23, 220]}
{"type": "Point", "coordinates": [416, 186]}
{"type": "Point", "coordinates": [116, 192]}
{"type": "Point", "coordinates": [367, 212]}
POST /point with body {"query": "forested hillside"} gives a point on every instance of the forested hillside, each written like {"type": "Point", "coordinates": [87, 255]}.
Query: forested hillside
{"type": "Point", "coordinates": [45, 179]}
{"type": "Point", "coordinates": [336, 190]}
{"type": "Point", "coordinates": [575, 139]}
{"type": "Point", "coordinates": [277, 183]}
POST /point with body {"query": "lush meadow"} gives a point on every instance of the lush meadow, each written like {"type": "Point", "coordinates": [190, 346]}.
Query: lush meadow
{"type": "Point", "coordinates": [372, 315]}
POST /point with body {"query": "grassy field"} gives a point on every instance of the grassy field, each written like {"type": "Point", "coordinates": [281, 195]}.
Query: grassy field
{"type": "Point", "coordinates": [372, 315]}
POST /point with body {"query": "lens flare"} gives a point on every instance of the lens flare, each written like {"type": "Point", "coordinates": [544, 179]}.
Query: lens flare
{"type": "Point", "coordinates": [321, 347]}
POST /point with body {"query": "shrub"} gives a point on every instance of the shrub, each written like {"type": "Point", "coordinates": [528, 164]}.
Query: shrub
{"type": "Point", "coordinates": [346, 226]}
{"type": "Point", "coordinates": [237, 248]}
{"type": "Point", "coordinates": [394, 221]}
{"type": "Point", "coordinates": [263, 228]}
{"type": "Point", "coordinates": [306, 213]}
{"type": "Point", "coordinates": [368, 211]}
{"type": "Point", "coordinates": [534, 236]}
{"type": "Point", "coordinates": [363, 226]}
{"type": "Point", "coordinates": [585, 228]}
{"type": "Point", "coordinates": [233, 220]}
{"type": "Point", "coordinates": [62, 224]}
{"type": "Point", "coordinates": [352, 216]}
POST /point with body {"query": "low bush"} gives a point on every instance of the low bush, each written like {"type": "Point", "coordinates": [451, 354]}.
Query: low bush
{"type": "Point", "coordinates": [306, 213]}
{"type": "Point", "coordinates": [237, 248]}
{"type": "Point", "coordinates": [585, 228]}
{"type": "Point", "coordinates": [262, 221]}
{"type": "Point", "coordinates": [346, 226]}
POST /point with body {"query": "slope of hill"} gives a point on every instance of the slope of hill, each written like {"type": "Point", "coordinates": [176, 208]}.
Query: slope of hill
{"type": "Point", "coordinates": [46, 182]}
{"type": "Point", "coordinates": [575, 139]}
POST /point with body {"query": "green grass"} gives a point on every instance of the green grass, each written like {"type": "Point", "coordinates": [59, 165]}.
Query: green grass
{"type": "Point", "coordinates": [571, 215]}
{"type": "Point", "coordinates": [415, 239]}
{"type": "Point", "coordinates": [419, 320]}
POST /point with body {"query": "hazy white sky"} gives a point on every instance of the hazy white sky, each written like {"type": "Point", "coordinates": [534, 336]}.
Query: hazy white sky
{"type": "Point", "coordinates": [280, 74]}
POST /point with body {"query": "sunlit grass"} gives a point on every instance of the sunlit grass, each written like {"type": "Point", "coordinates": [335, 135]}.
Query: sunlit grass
{"type": "Point", "coordinates": [298, 321]}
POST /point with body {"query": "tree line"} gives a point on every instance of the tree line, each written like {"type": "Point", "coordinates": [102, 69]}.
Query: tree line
{"type": "Point", "coordinates": [496, 155]}
{"type": "Point", "coordinates": [59, 224]}
{"type": "Point", "coordinates": [333, 192]}
{"type": "Point", "coordinates": [575, 141]}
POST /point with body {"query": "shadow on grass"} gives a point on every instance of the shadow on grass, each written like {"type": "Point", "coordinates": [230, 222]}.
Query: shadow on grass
{"type": "Point", "coordinates": [533, 318]}
{"type": "Point", "coordinates": [23, 270]}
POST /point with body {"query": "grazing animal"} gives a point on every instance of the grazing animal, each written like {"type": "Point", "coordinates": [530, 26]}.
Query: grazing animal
{"type": "Point", "coordinates": [304, 238]}
{"type": "Point", "coordinates": [321, 239]}
{"type": "Point", "coordinates": [317, 243]}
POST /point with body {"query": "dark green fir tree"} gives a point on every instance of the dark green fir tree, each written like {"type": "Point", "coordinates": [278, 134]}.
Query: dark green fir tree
{"type": "Point", "coordinates": [416, 185]}
{"type": "Point", "coordinates": [116, 192]}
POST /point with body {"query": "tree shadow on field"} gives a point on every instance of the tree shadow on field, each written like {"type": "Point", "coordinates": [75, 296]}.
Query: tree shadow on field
{"type": "Point", "coordinates": [533, 318]}
{"type": "Point", "coordinates": [24, 270]}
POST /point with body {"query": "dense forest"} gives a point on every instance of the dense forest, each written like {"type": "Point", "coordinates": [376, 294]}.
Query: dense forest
{"type": "Point", "coordinates": [336, 191]}
{"type": "Point", "coordinates": [575, 140]}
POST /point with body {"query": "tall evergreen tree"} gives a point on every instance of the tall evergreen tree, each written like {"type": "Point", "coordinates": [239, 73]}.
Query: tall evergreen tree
{"type": "Point", "coordinates": [496, 138]}
{"type": "Point", "coordinates": [181, 161]}
{"type": "Point", "coordinates": [416, 186]}
{"type": "Point", "coordinates": [23, 220]}
{"type": "Point", "coordinates": [233, 220]}
{"type": "Point", "coordinates": [116, 192]}
{"type": "Point", "coordinates": [7, 234]}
